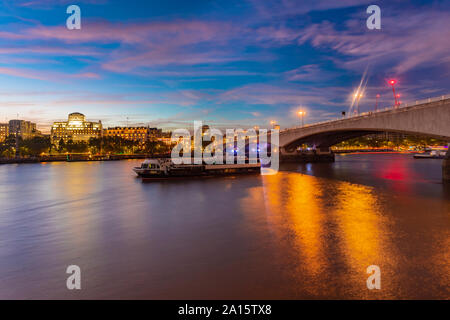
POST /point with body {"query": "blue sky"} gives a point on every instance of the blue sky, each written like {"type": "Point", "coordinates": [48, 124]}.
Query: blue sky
{"type": "Point", "coordinates": [229, 63]}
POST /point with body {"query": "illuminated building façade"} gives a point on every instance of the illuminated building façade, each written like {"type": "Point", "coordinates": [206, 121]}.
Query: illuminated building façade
{"type": "Point", "coordinates": [22, 128]}
{"type": "Point", "coordinates": [76, 129]}
{"type": "Point", "coordinates": [137, 134]}
{"type": "Point", "coordinates": [4, 131]}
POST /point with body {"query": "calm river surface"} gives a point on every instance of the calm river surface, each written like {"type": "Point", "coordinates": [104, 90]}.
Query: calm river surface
{"type": "Point", "coordinates": [309, 231]}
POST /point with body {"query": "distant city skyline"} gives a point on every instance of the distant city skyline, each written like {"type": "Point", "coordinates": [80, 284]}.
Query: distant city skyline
{"type": "Point", "coordinates": [234, 63]}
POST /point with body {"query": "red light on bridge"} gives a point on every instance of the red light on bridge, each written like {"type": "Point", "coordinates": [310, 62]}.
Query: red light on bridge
{"type": "Point", "coordinates": [392, 82]}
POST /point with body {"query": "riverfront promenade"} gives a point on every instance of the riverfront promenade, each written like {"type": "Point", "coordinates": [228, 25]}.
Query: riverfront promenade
{"type": "Point", "coordinates": [79, 157]}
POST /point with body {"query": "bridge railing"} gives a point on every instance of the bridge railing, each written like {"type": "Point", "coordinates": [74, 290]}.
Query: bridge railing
{"type": "Point", "coordinates": [369, 113]}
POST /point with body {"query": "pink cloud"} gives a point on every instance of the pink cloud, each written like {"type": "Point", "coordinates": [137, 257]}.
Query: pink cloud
{"type": "Point", "coordinates": [405, 41]}
{"type": "Point", "coordinates": [21, 73]}
{"type": "Point", "coordinates": [144, 44]}
{"type": "Point", "coordinates": [282, 95]}
{"type": "Point", "coordinates": [310, 72]}
{"type": "Point", "coordinates": [271, 8]}
{"type": "Point", "coordinates": [46, 4]}
{"type": "Point", "coordinates": [179, 32]}
{"type": "Point", "coordinates": [51, 50]}
{"type": "Point", "coordinates": [87, 75]}
{"type": "Point", "coordinates": [45, 75]}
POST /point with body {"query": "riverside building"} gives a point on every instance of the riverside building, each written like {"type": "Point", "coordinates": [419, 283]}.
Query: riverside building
{"type": "Point", "coordinates": [4, 131]}
{"type": "Point", "coordinates": [76, 129]}
{"type": "Point", "coordinates": [137, 134]}
{"type": "Point", "coordinates": [22, 128]}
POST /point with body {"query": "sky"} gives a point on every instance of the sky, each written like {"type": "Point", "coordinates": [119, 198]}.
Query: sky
{"type": "Point", "coordinates": [228, 63]}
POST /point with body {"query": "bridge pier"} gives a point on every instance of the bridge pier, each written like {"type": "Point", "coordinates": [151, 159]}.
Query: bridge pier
{"type": "Point", "coordinates": [319, 155]}
{"type": "Point", "coordinates": [446, 167]}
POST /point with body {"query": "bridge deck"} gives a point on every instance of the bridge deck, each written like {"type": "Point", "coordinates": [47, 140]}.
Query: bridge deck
{"type": "Point", "coordinates": [401, 108]}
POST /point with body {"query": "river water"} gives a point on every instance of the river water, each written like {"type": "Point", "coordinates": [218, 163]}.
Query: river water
{"type": "Point", "coordinates": [308, 232]}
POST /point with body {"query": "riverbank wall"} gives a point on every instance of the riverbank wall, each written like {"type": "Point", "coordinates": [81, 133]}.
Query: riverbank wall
{"type": "Point", "coordinates": [78, 158]}
{"type": "Point", "coordinates": [356, 150]}
{"type": "Point", "coordinates": [306, 157]}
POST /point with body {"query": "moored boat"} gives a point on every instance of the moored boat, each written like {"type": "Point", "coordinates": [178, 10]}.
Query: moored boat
{"type": "Point", "coordinates": [165, 168]}
{"type": "Point", "coordinates": [434, 154]}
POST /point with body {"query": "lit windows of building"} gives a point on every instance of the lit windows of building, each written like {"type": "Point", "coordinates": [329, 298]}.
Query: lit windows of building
{"type": "Point", "coordinates": [76, 129]}
{"type": "Point", "coordinates": [155, 132]}
{"type": "Point", "coordinates": [4, 131]}
{"type": "Point", "coordinates": [165, 140]}
{"type": "Point", "coordinates": [25, 129]}
{"type": "Point", "coordinates": [137, 134]}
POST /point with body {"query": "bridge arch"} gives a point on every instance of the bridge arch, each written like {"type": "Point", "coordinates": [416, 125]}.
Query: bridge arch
{"type": "Point", "coordinates": [430, 118]}
{"type": "Point", "coordinates": [330, 138]}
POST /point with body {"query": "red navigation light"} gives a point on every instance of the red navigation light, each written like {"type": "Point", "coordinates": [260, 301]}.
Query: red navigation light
{"type": "Point", "coordinates": [378, 95]}
{"type": "Point", "coordinates": [392, 82]}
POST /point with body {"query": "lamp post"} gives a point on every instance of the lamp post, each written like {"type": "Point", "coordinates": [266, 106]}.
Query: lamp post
{"type": "Point", "coordinates": [358, 95]}
{"type": "Point", "coordinates": [392, 82]}
{"type": "Point", "coordinates": [273, 123]}
{"type": "Point", "coordinates": [376, 102]}
{"type": "Point", "coordinates": [302, 114]}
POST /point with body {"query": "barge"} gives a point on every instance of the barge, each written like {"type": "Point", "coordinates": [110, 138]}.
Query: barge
{"type": "Point", "coordinates": [165, 168]}
{"type": "Point", "coordinates": [434, 154]}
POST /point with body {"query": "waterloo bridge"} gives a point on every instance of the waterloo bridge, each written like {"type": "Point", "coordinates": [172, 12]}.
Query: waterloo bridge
{"type": "Point", "coordinates": [429, 117]}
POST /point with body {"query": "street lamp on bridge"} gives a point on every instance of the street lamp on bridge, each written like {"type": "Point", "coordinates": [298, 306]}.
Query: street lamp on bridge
{"type": "Point", "coordinates": [376, 101]}
{"type": "Point", "coordinates": [273, 123]}
{"type": "Point", "coordinates": [302, 115]}
{"type": "Point", "coordinates": [392, 82]}
{"type": "Point", "coordinates": [358, 95]}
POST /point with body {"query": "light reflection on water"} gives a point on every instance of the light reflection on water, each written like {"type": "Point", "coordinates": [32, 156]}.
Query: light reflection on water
{"type": "Point", "coordinates": [288, 235]}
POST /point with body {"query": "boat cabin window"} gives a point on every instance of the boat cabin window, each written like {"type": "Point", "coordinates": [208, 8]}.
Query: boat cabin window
{"type": "Point", "coordinates": [149, 166]}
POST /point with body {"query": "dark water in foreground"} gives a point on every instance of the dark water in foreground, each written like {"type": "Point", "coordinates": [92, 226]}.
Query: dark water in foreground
{"type": "Point", "coordinates": [310, 232]}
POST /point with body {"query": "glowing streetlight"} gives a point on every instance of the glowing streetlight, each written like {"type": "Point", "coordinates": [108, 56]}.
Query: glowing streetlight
{"type": "Point", "coordinates": [273, 122]}
{"type": "Point", "coordinates": [392, 82]}
{"type": "Point", "coordinates": [302, 115]}
{"type": "Point", "coordinates": [357, 95]}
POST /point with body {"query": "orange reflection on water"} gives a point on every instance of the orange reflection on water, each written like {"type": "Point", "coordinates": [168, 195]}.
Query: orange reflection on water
{"type": "Point", "coordinates": [304, 208]}
{"type": "Point", "coordinates": [76, 183]}
{"type": "Point", "coordinates": [335, 230]}
{"type": "Point", "coordinates": [293, 202]}
{"type": "Point", "coordinates": [362, 230]}
{"type": "Point", "coordinates": [358, 220]}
